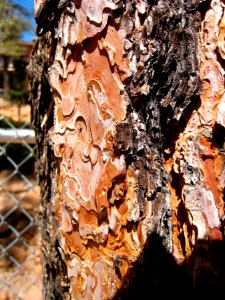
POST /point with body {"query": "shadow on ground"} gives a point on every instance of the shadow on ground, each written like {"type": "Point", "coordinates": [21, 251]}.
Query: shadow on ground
{"type": "Point", "coordinates": [156, 273]}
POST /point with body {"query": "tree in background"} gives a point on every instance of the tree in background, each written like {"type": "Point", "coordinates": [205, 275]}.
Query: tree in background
{"type": "Point", "coordinates": [14, 20]}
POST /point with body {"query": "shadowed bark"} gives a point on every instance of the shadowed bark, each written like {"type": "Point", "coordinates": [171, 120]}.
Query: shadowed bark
{"type": "Point", "coordinates": [128, 108]}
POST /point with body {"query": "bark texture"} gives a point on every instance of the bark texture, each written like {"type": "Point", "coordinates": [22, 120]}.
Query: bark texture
{"type": "Point", "coordinates": [128, 101]}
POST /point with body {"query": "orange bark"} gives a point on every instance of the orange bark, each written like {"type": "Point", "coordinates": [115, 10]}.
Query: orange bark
{"type": "Point", "coordinates": [138, 92]}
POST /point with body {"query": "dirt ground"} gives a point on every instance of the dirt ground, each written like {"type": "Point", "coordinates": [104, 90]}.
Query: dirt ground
{"type": "Point", "coordinates": [20, 265]}
{"type": "Point", "coordinates": [14, 112]}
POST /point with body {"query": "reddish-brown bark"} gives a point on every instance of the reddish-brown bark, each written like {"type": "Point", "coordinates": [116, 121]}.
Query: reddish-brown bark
{"type": "Point", "coordinates": [197, 150]}
{"type": "Point", "coordinates": [135, 173]}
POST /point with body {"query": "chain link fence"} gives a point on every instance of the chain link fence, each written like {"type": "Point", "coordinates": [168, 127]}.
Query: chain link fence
{"type": "Point", "coordinates": [20, 262]}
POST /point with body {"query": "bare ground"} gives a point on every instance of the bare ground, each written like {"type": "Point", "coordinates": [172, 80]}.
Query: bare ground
{"type": "Point", "coordinates": [14, 112]}
{"type": "Point", "coordinates": [20, 257]}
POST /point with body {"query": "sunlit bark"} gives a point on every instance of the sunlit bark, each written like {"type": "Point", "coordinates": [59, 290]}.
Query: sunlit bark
{"type": "Point", "coordinates": [128, 101]}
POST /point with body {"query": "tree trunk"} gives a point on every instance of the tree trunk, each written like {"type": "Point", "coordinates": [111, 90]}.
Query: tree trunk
{"type": "Point", "coordinates": [6, 84]}
{"type": "Point", "coordinates": [128, 107]}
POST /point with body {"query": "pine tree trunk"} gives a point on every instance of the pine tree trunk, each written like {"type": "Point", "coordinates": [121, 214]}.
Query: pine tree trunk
{"type": "Point", "coordinates": [128, 107]}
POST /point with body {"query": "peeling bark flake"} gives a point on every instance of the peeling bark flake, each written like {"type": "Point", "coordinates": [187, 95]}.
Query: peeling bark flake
{"type": "Point", "coordinates": [137, 135]}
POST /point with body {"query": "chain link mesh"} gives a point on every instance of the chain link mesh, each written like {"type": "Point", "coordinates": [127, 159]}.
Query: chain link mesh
{"type": "Point", "coordinates": [20, 263]}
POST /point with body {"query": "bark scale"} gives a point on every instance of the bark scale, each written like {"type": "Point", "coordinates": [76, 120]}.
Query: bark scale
{"type": "Point", "coordinates": [129, 114]}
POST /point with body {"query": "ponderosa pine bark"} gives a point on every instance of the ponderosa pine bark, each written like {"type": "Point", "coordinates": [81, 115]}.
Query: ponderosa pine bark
{"type": "Point", "coordinates": [128, 107]}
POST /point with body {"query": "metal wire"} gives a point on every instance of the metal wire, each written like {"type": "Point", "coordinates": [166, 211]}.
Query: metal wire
{"type": "Point", "coordinates": [20, 263]}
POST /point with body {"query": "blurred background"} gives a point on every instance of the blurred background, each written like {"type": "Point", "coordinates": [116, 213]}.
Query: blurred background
{"type": "Point", "coordinates": [20, 261]}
